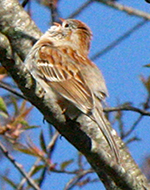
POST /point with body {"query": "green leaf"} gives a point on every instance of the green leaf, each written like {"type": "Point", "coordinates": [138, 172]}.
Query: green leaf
{"type": "Point", "coordinates": [10, 182]}
{"type": "Point", "coordinates": [148, 65]}
{"type": "Point", "coordinates": [42, 142]}
{"type": "Point", "coordinates": [30, 127]}
{"type": "Point", "coordinates": [24, 149]}
{"type": "Point", "coordinates": [146, 83]}
{"type": "Point", "coordinates": [4, 115]}
{"type": "Point", "coordinates": [3, 106]}
{"type": "Point", "coordinates": [65, 164]}
{"type": "Point", "coordinates": [14, 103]}
{"type": "Point", "coordinates": [37, 169]}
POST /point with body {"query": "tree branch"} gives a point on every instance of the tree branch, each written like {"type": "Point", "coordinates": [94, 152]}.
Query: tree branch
{"type": "Point", "coordinates": [119, 40]}
{"type": "Point", "coordinates": [10, 89]}
{"type": "Point", "coordinates": [83, 133]}
{"type": "Point", "coordinates": [127, 108]}
{"type": "Point", "coordinates": [80, 9]}
{"type": "Point", "coordinates": [19, 167]}
{"type": "Point", "coordinates": [72, 182]}
{"type": "Point", "coordinates": [107, 109]}
{"type": "Point", "coordinates": [126, 9]}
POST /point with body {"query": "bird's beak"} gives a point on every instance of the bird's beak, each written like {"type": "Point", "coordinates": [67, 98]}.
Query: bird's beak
{"type": "Point", "coordinates": [57, 24]}
{"type": "Point", "coordinates": [62, 19]}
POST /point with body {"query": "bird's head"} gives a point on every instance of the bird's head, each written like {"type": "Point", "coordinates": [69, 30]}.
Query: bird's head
{"type": "Point", "coordinates": [73, 33]}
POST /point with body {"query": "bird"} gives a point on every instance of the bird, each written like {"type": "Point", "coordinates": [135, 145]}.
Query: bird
{"type": "Point", "coordinates": [59, 62]}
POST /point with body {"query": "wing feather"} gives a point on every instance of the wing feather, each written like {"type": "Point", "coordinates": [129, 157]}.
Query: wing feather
{"type": "Point", "coordinates": [63, 75]}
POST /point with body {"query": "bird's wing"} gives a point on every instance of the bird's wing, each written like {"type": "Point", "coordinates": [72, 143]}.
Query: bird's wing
{"type": "Point", "coordinates": [60, 71]}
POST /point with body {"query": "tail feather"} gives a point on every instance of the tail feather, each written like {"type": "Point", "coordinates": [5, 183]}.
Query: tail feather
{"type": "Point", "coordinates": [99, 118]}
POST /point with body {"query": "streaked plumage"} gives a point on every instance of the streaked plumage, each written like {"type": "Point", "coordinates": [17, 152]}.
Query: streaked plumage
{"type": "Point", "coordinates": [59, 60]}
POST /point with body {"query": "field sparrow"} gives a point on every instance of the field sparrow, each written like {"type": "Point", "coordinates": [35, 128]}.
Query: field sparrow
{"type": "Point", "coordinates": [59, 61]}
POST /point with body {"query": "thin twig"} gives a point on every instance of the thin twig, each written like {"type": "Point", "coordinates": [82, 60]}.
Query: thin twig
{"type": "Point", "coordinates": [53, 141]}
{"type": "Point", "coordinates": [19, 167]}
{"type": "Point", "coordinates": [128, 10]}
{"type": "Point", "coordinates": [76, 179]}
{"type": "Point", "coordinates": [133, 126]}
{"type": "Point", "coordinates": [120, 39]}
{"type": "Point", "coordinates": [80, 9]}
{"type": "Point", "coordinates": [13, 91]}
{"type": "Point", "coordinates": [29, 174]}
{"type": "Point", "coordinates": [49, 147]}
{"type": "Point", "coordinates": [54, 11]}
{"type": "Point", "coordinates": [127, 108]}
{"type": "Point", "coordinates": [133, 139]}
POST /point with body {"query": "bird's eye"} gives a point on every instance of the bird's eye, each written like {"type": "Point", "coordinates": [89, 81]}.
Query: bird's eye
{"type": "Point", "coordinates": [66, 25]}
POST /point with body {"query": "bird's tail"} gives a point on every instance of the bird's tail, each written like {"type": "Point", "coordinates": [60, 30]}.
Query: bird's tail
{"type": "Point", "coordinates": [99, 117]}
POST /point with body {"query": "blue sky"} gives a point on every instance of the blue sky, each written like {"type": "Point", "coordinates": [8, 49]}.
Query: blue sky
{"type": "Point", "coordinates": [121, 67]}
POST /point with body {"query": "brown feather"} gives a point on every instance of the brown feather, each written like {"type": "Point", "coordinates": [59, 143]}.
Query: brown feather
{"type": "Point", "coordinates": [59, 61]}
{"type": "Point", "coordinates": [58, 74]}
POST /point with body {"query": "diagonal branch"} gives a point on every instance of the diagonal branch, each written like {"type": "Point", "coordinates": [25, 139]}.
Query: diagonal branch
{"type": "Point", "coordinates": [29, 174]}
{"type": "Point", "coordinates": [72, 182]}
{"type": "Point", "coordinates": [126, 9]}
{"type": "Point", "coordinates": [10, 89]}
{"type": "Point", "coordinates": [80, 9]}
{"type": "Point", "coordinates": [19, 167]}
{"type": "Point", "coordinates": [119, 40]}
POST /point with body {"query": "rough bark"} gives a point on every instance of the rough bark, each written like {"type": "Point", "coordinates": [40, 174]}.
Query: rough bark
{"type": "Point", "coordinates": [18, 33]}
